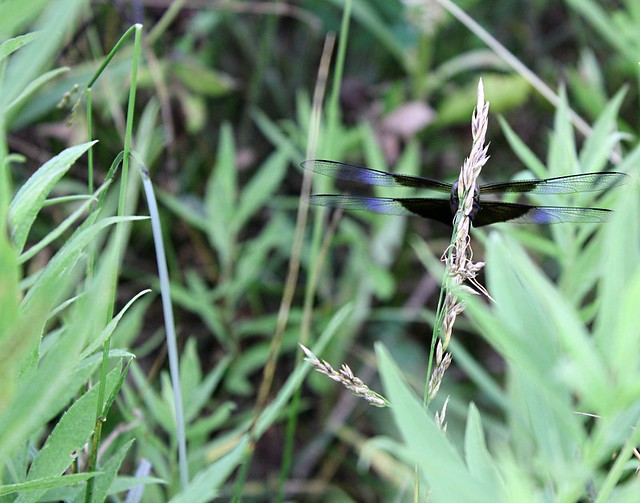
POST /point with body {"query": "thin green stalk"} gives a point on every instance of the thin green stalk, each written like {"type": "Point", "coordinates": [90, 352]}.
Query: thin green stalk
{"type": "Point", "coordinates": [332, 119]}
{"type": "Point", "coordinates": [437, 327]}
{"type": "Point", "coordinates": [119, 238]}
{"type": "Point", "coordinates": [619, 466]}
{"type": "Point", "coordinates": [256, 85]}
{"type": "Point", "coordinates": [91, 262]}
{"type": "Point", "coordinates": [314, 131]}
{"type": "Point", "coordinates": [110, 56]}
{"type": "Point", "coordinates": [165, 21]}
{"type": "Point", "coordinates": [130, 117]}
{"type": "Point", "coordinates": [287, 456]}
{"type": "Point", "coordinates": [90, 182]}
{"type": "Point", "coordinates": [5, 181]}
{"type": "Point", "coordinates": [242, 473]}
{"type": "Point", "coordinates": [421, 70]}
{"type": "Point", "coordinates": [333, 109]}
{"type": "Point", "coordinates": [292, 274]}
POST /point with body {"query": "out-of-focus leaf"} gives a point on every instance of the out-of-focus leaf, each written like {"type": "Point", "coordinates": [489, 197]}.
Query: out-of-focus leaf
{"type": "Point", "coordinates": [13, 44]}
{"type": "Point", "coordinates": [220, 198]}
{"type": "Point", "coordinates": [29, 200]}
{"type": "Point", "coordinates": [33, 87]}
{"type": "Point", "coordinates": [25, 65]}
{"type": "Point", "coordinates": [562, 158]}
{"type": "Point", "coordinates": [109, 471]}
{"type": "Point", "coordinates": [504, 92]}
{"type": "Point", "coordinates": [202, 80]}
{"type": "Point", "coordinates": [68, 436]}
{"type": "Point", "coordinates": [436, 457]}
{"type": "Point", "coordinates": [260, 188]}
{"type": "Point", "coordinates": [45, 483]}
{"type": "Point", "coordinates": [603, 138]}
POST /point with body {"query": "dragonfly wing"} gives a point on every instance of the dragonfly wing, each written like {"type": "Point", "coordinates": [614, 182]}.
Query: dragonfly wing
{"type": "Point", "coordinates": [494, 212]}
{"type": "Point", "coordinates": [351, 172]}
{"type": "Point", "coordinates": [586, 182]}
{"type": "Point", "coordinates": [434, 209]}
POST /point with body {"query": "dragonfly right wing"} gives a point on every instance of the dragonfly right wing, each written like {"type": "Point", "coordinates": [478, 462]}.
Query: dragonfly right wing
{"type": "Point", "coordinates": [494, 212]}
{"type": "Point", "coordinates": [586, 182]}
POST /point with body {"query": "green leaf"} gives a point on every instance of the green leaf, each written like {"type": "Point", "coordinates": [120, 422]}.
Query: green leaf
{"type": "Point", "coordinates": [201, 395]}
{"type": "Point", "coordinates": [63, 226]}
{"type": "Point", "coordinates": [69, 254]}
{"type": "Point", "coordinates": [504, 92]}
{"type": "Point", "coordinates": [603, 138]}
{"type": "Point", "coordinates": [603, 24]}
{"type": "Point", "coordinates": [238, 378]}
{"type": "Point", "coordinates": [260, 189]}
{"type": "Point", "coordinates": [13, 44]}
{"type": "Point", "coordinates": [190, 376]}
{"type": "Point", "coordinates": [368, 16]}
{"type": "Point", "coordinates": [201, 79]}
{"type": "Point", "coordinates": [30, 198]}
{"type": "Point", "coordinates": [562, 159]}
{"type": "Point", "coordinates": [618, 265]}
{"type": "Point", "coordinates": [254, 261]}
{"type": "Point", "coordinates": [109, 329]}
{"type": "Point", "coordinates": [479, 460]}
{"type": "Point", "coordinates": [68, 436]}
{"type": "Point", "coordinates": [26, 64]}
{"type": "Point", "coordinates": [109, 471]}
{"type": "Point", "coordinates": [41, 386]}
{"type": "Point", "coordinates": [9, 293]}
{"type": "Point", "coordinates": [221, 198]}
{"type": "Point", "coordinates": [190, 210]}
{"type": "Point", "coordinates": [33, 86]}
{"type": "Point", "coordinates": [522, 150]}
{"type": "Point", "coordinates": [426, 445]}
{"type": "Point", "coordinates": [51, 284]}
{"type": "Point", "coordinates": [46, 483]}
{"type": "Point", "coordinates": [198, 299]}
{"type": "Point", "coordinates": [204, 486]}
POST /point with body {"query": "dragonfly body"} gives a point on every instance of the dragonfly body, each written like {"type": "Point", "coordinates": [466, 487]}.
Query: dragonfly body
{"type": "Point", "coordinates": [483, 212]}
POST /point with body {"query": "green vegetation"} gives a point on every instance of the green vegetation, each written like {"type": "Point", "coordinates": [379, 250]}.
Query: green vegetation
{"type": "Point", "coordinates": [211, 108]}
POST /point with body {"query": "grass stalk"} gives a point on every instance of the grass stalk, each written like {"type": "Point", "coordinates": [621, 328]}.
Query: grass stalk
{"type": "Point", "coordinates": [314, 131]}
{"type": "Point", "coordinates": [119, 238]}
{"type": "Point", "coordinates": [458, 257]}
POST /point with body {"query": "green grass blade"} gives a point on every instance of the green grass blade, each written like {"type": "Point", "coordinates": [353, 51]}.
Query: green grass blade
{"type": "Point", "coordinates": [13, 44]}
{"type": "Point", "coordinates": [29, 200]}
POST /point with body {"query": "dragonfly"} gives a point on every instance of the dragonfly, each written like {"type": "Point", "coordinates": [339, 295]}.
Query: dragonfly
{"type": "Point", "coordinates": [483, 212]}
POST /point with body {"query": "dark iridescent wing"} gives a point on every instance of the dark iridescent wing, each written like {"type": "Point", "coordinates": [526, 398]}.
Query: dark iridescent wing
{"type": "Point", "coordinates": [494, 212]}
{"type": "Point", "coordinates": [351, 172]}
{"type": "Point", "coordinates": [434, 209]}
{"type": "Point", "coordinates": [587, 182]}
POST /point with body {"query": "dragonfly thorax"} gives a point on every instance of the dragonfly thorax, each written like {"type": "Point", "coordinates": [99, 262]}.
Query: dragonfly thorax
{"type": "Point", "coordinates": [454, 201]}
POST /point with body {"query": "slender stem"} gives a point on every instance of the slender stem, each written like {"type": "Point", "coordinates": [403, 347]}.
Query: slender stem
{"type": "Point", "coordinates": [435, 334]}
{"type": "Point", "coordinates": [119, 238]}
{"type": "Point", "coordinates": [333, 109]}
{"type": "Point", "coordinates": [111, 55]}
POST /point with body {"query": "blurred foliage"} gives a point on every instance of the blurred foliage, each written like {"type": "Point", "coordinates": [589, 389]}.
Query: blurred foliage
{"type": "Point", "coordinates": [223, 118]}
